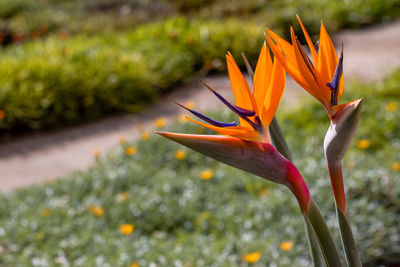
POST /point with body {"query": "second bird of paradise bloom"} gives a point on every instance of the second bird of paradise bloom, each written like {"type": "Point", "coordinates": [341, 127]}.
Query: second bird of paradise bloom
{"type": "Point", "coordinates": [322, 77]}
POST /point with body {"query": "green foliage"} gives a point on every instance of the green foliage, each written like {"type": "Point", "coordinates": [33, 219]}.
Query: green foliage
{"type": "Point", "coordinates": [279, 15]}
{"type": "Point", "coordinates": [335, 14]}
{"type": "Point", "coordinates": [9, 8]}
{"type": "Point", "coordinates": [57, 82]}
{"type": "Point", "coordinates": [94, 16]}
{"type": "Point", "coordinates": [181, 219]}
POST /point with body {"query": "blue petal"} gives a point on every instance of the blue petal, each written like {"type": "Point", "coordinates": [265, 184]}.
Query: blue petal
{"type": "Point", "coordinates": [209, 120]}
{"type": "Point", "coordinates": [334, 84]}
{"type": "Point", "coordinates": [243, 113]}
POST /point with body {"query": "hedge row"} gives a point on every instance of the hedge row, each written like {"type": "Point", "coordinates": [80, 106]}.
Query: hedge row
{"type": "Point", "coordinates": [31, 18]}
{"type": "Point", "coordinates": [59, 81]}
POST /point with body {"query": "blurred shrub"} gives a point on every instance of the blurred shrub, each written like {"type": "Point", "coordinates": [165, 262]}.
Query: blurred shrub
{"type": "Point", "coordinates": [93, 16]}
{"type": "Point", "coordinates": [335, 14]}
{"type": "Point", "coordinates": [9, 8]}
{"type": "Point", "coordinates": [280, 14]}
{"type": "Point", "coordinates": [59, 81]}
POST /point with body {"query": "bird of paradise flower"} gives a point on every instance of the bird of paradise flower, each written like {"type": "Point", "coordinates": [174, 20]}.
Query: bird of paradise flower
{"type": "Point", "coordinates": [247, 145]}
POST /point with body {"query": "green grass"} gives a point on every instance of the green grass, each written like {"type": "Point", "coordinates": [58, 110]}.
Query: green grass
{"type": "Point", "coordinates": [182, 220]}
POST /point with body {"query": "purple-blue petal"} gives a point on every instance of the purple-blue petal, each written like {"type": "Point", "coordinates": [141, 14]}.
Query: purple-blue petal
{"type": "Point", "coordinates": [334, 84]}
{"type": "Point", "coordinates": [245, 112]}
{"type": "Point", "coordinates": [242, 113]}
{"type": "Point", "coordinates": [209, 120]}
{"type": "Point", "coordinates": [239, 111]}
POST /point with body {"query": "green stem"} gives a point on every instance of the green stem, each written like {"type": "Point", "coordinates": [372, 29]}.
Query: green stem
{"type": "Point", "coordinates": [324, 237]}
{"type": "Point", "coordinates": [350, 249]}
{"type": "Point", "coordinates": [346, 234]}
{"type": "Point", "coordinates": [316, 254]}
{"type": "Point", "coordinates": [279, 139]}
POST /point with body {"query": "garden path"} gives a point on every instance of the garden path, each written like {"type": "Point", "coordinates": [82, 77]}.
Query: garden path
{"type": "Point", "coordinates": [370, 54]}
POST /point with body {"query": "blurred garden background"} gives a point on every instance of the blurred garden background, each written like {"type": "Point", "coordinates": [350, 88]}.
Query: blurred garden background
{"type": "Point", "coordinates": [83, 85]}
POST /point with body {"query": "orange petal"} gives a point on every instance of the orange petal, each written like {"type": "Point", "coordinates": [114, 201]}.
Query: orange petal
{"type": "Point", "coordinates": [262, 76]}
{"type": "Point", "coordinates": [306, 70]}
{"type": "Point", "coordinates": [309, 42]}
{"type": "Point", "coordinates": [327, 57]}
{"type": "Point", "coordinates": [274, 93]}
{"type": "Point", "coordinates": [286, 46]}
{"type": "Point", "coordinates": [290, 67]}
{"type": "Point", "coordinates": [341, 85]}
{"type": "Point", "coordinates": [241, 91]}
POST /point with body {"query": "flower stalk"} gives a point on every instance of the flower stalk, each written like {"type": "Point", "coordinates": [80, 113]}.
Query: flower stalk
{"type": "Point", "coordinates": [279, 140]}
{"type": "Point", "coordinates": [323, 78]}
{"type": "Point", "coordinates": [315, 251]}
{"type": "Point", "coordinates": [324, 237]}
{"type": "Point", "coordinates": [337, 140]}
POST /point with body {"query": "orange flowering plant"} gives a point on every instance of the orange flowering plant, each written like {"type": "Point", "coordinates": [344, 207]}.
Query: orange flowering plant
{"type": "Point", "coordinates": [247, 144]}
{"type": "Point", "coordinates": [322, 77]}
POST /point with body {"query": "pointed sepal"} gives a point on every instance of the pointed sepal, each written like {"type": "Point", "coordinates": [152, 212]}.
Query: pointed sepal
{"type": "Point", "coordinates": [260, 159]}
{"type": "Point", "coordinates": [343, 125]}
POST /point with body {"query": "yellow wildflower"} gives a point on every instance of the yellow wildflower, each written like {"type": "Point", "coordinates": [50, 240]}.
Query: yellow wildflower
{"type": "Point", "coordinates": [123, 196]}
{"type": "Point", "coordinates": [145, 135]}
{"type": "Point", "coordinates": [45, 213]}
{"type": "Point", "coordinates": [396, 166]}
{"type": "Point", "coordinates": [252, 257]}
{"type": "Point", "coordinates": [96, 210]}
{"type": "Point", "coordinates": [122, 140]}
{"type": "Point", "coordinates": [2, 114]}
{"type": "Point", "coordinates": [130, 150]}
{"type": "Point", "coordinates": [160, 122]}
{"type": "Point", "coordinates": [363, 143]}
{"type": "Point", "coordinates": [206, 174]}
{"type": "Point", "coordinates": [263, 193]}
{"type": "Point", "coordinates": [351, 165]}
{"type": "Point", "coordinates": [392, 106]}
{"type": "Point", "coordinates": [180, 154]}
{"type": "Point", "coordinates": [190, 104]}
{"type": "Point", "coordinates": [286, 245]}
{"type": "Point", "coordinates": [96, 153]}
{"type": "Point", "coordinates": [126, 229]}
{"type": "Point", "coordinates": [135, 264]}
{"type": "Point", "coordinates": [182, 118]}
